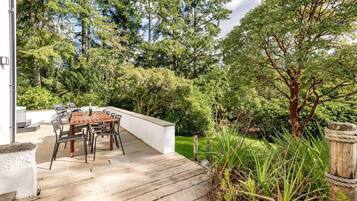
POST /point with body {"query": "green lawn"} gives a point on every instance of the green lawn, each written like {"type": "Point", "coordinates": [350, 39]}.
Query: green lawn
{"type": "Point", "coordinates": [184, 146]}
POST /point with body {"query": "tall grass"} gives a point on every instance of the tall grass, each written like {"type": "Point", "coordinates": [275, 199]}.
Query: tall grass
{"type": "Point", "coordinates": [287, 169]}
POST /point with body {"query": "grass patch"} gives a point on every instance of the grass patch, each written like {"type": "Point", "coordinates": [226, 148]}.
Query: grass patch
{"type": "Point", "coordinates": [184, 146]}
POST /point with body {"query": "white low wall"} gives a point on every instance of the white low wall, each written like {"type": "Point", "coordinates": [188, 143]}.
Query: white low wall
{"type": "Point", "coordinates": [18, 169]}
{"type": "Point", "coordinates": [157, 133]}
{"type": "Point", "coordinates": [37, 116]}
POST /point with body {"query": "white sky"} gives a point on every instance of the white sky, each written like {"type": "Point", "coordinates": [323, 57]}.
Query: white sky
{"type": "Point", "coordinates": [239, 8]}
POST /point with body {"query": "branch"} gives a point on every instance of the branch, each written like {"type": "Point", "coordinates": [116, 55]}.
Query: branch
{"type": "Point", "coordinates": [280, 45]}
{"type": "Point", "coordinates": [340, 96]}
{"type": "Point", "coordinates": [342, 84]}
{"type": "Point", "coordinates": [275, 87]}
{"type": "Point", "coordinates": [314, 106]}
{"type": "Point", "coordinates": [276, 67]}
{"type": "Point", "coordinates": [307, 93]}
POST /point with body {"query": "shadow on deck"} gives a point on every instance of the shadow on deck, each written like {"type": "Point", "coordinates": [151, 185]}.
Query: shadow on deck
{"type": "Point", "coordinates": [141, 174]}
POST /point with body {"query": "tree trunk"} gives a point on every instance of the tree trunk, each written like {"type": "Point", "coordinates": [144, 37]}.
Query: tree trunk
{"type": "Point", "coordinates": [149, 25]}
{"type": "Point", "coordinates": [84, 28]}
{"type": "Point", "coordinates": [294, 105]}
{"type": "Point", "coordinates": [37, 75]}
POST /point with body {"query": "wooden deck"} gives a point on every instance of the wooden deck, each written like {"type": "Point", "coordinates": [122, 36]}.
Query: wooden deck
{"type": "Point", "coordinates": [141, 174]}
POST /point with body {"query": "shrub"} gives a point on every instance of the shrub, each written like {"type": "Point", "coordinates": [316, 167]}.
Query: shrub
{"type": "Point", "coordinates": [35, 98]}
{"type": "Point", "coordinates": [86, 98]}
{"type": "Point", "coordinates": [288, 169]}
{"type": "Point", "coordinates": [159, 93]}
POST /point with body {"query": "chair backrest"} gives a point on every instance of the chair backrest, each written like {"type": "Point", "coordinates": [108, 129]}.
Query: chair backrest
{"type": "Point", "coordinates": [117, 122]}
{"type": "Point", "coordinates": [71, 105]}
{"type": "Point", "coordinates": [63, 119]}
{"type": "Point", "coordinates": [58, 107]}
{"type": "Point", "coordinates": [113, 114]}
{"type": "Point", "coordinates": [56, 127]}
{"type": "Point", "coordinates": [107, 112]}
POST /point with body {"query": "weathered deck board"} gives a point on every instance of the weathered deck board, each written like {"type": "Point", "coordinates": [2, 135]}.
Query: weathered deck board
{"type": "Point", "coordinates": [141, 174]}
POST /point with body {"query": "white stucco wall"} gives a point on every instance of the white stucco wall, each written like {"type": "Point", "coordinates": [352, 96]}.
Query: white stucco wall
{"type": "Point", "coordinates": [155, 132]}
{"type": "Point", "coordinates": [4, 74]}
{"type": "Point", "coordinates": [37, 116]}
{"type": "Point", "coordinates": [18, 173]}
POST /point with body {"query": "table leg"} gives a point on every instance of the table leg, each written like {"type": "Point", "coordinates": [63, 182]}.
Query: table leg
{"type": "Point", "coordinates": [71, 132]}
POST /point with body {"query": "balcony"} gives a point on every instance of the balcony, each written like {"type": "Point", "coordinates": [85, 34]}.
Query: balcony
{"type": "Point", "coordinates": [143, 173]}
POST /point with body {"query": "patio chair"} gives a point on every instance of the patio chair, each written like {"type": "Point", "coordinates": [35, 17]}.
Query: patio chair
{"type": "Point", "coordinates": [97, 127]}
{"type": "Point", "coordinates": [60, 109]}
{"type": "Point", "coordinates": [61, 138]}
{"type": "Point", "coordinates": [64, 119]}
{"type": "Point", "coordinates": [106, 126]}
{"type": "Point", "coordinates": [115, 133]}
{"type": "Point", "coordinates": [72, 107]}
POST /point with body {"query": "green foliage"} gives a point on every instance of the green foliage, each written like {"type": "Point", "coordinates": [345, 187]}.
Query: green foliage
{"type": "Point", "coordinates": [337, 111]}
{"type": "Point", "coordinates": [229, 150]}
{"type": "Point", "coordinates": [36, 98]}
{"type": "Point", "coordinates": [215, 85]}
{"type": "Point", "coordinates": [181, 35]}
{"type": "Point", "coordinates": [159, 93]}
{"type": "Point", "coordinates": [298, 51]}
{"type": "Point", "coordinates": [288, 169]}
{"type": "Point", "coordinates": [83, 99]}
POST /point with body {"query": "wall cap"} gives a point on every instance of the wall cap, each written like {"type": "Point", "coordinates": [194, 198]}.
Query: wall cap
{"type": "Point", "coordinates": [16, 147]}
{"type": "Point", "coordinates": [144, 117]}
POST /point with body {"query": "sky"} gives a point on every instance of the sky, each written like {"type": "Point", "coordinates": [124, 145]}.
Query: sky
{"type": "Point", "coordinates": [239, 8]}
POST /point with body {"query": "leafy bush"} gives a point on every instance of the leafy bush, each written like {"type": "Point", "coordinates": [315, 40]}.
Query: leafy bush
{"type": "Point", "coordinates": [159, 93]}
{"type": "Point", "coordinates": [215, 85]}
{"type": "Point", "coordinates": [337, 111]}
{"type": "Point", "coordinates": [35, 98]}
{"type": "Point", "coordinates": [83, 99]}
{"type": "Point", "coordinates": [288, 169]}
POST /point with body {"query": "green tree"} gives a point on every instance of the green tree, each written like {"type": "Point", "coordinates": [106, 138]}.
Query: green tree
{"type": "Point", "coordinates": [41, 44]}
{"type": "Point", "coordinates": [303, 49]}
{"type": "Point", "coordinates": [181, 35]}
{"type": "Point", "coordinates": [126, 17]}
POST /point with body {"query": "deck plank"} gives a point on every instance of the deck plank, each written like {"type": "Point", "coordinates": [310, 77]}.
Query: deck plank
{"type": "Point", "coordinates": [141, 174]}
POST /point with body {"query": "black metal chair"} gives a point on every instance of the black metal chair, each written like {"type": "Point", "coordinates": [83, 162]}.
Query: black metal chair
{"type": "Point", "coordinates": [72, 107]}
{"type": "Point", "coordinates": [112, 132]}
{"type": "Point", "coordinates": [62, 138]}
{"type": "Point", "coordinates": [60, 109]}
{"type": "Point", "coordinates": [97, 127]}
{"type": "Point", "coordinates": [63, 120]}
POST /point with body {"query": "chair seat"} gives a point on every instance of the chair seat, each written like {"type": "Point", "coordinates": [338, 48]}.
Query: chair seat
{"type": "Point", "coordinates": [96, 128]}
{"type": "Point", "coordinates": [75, 109]}
{"type": "Point", "coordinates": [71, 137]}
{"type": "Point", "coordinates": [107, 133]}
{"type": "Point", "coordinates": [76, 131]}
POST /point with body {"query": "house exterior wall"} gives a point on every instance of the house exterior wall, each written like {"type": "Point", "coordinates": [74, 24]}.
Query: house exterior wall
{"type": "Point", "coordinates": [4, 73]}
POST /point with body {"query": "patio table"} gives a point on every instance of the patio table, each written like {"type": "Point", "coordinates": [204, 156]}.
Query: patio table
{"type": "Point", "coordinates": [82, 118]}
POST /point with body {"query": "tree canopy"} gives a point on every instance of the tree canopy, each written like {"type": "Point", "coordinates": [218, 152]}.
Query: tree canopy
{"type": "Point", "coordinates": [304, 50]}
